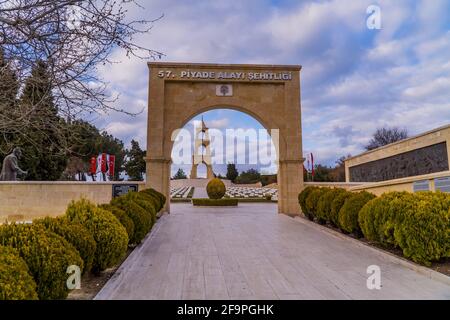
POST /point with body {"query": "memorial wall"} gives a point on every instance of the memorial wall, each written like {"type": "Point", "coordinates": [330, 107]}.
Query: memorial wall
{"type": "Point", "coordinates": [417, 162]}
{"type": "Point", "coordinates": [426, 153]}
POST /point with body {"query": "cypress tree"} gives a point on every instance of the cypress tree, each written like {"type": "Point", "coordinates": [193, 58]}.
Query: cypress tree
{"type": "Point", "coordinates": [44, 155]}
{"type": "Point", "coordinates": [9, 88]}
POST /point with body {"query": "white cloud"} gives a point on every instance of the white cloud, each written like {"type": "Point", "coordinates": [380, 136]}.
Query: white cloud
{"type": "Point", "coordinates": [353, 79]}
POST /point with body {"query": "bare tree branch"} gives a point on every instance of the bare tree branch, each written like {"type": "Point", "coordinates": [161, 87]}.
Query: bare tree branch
{"type": "Point", "coordinates": [73, 37]}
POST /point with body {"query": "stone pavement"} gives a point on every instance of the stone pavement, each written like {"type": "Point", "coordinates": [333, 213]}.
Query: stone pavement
{"type": "Point", "coordinates": [251, 252]}
{"type": "Point", "coordinates": [199, 192]}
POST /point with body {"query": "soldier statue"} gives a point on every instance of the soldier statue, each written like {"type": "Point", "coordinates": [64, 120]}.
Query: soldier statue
{"type": "Point", "coordinates": [10, 168]}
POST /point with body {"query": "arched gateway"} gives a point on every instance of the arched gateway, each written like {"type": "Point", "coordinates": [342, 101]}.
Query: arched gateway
{"type": "Point", "coordinates": [269, 93]}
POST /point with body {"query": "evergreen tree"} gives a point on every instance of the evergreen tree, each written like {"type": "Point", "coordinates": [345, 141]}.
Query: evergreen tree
{"type": "Point", "coordinates": [180, 174]}
{"type": "Point", "coordinates": [232, 172]}
{"type": "Point", "coordinates": [44, 154]}
{"type": "Point", "coordinates": [86, 141]}
{"type": "Point", "coordinates": [9, 88]}
{"type": "Point", "coordinates": [249, 176]}
{"type": "Point", "coordinates": [135, 164]}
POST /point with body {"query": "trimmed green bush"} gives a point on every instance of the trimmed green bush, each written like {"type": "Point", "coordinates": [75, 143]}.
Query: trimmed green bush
{"type": "Point", "coordinates": [224, 202]}
{"type": "Point", "coordinates": [141, 219]}
{"type": "Point", "coordinates": [348, 215]}
{"type": "Point", "coordinates": [302, 196]}
{"type": "Point", "coordinates": [324, 205]}
{"type": "Point", "coordinates": [124, 219]}
{"type": "Point", "coordinates": [109, 234]}
{"type": "Point", "coordinates": [146, 202]}
{"type": "Point", "coordinates": [424, 232]}
{"type": "Point", "coordinates": [336, 206]}
{"type": "Point", "coordinates": [47, 255]}
{"type": "Point", "coordinates": [161, 199]}
{"type": "Point", "coordinates": [311, 203]}
{"type": "Point", "coordinates": [76, 234]}
{"type": "Point", "coordinates": [379, 217]}
{"type": "Point", "coordinates": [215, 189]}
{"type": "Point", "coordinates": [16, 283]}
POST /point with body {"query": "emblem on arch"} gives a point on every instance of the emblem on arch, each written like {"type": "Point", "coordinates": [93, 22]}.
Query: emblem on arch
{"type": "Point", "coordinates": [224, 90]}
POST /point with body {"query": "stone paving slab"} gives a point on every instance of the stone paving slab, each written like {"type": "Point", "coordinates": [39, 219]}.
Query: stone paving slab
{"type": "Point", "coordinates": [251, 252]}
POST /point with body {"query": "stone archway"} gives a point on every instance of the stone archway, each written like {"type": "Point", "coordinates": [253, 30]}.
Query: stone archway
{"type": "Point", "coordinates": [269, 93]}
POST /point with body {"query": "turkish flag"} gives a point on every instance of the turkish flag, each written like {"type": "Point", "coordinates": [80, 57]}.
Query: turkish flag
{"type": "Point", "coordinates": [93, 168]}
{"type": "Point", "coordinates": [111, 163]}
{"type": "Point", "coordinates": [103, 163]}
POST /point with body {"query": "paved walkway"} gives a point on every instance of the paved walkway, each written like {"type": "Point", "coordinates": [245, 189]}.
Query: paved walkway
{"type": "Point", "coordinates": [200, 192]}
{"type": "Point", "coordinates": [253, 253]}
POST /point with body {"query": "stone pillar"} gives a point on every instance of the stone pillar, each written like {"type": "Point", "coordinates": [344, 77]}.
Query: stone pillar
{"type": "Point", "coordinates": [209, 172]}
{"type": "Point", "coordinates": [158, 178]}
{"type": "Point", "coordinates": [290, 184]}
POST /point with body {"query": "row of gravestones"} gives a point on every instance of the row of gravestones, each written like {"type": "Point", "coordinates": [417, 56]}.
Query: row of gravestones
{"type": "Point", "coordinates": [182, 192]}
{"type": "Point", "coordinates": [249, 192]}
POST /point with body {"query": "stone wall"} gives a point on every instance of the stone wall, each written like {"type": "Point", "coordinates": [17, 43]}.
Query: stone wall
{"type": "Point", "coordinates": [417, 162]}
{"type": "Point", "coordinates": [425, 153]}
{"type": "Point", "coordinates": [403, 184]}
{"type": "Point", "coordinates": [27, 200]}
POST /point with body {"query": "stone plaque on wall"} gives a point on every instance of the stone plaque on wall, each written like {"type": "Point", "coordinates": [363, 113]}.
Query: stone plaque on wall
{"type": "Point", "coordinates": [442, 184]}
{"type": "Point", "coordinates": [121, 189]}
{"type": "Point", "coordinates": [412, 163]}
{"type": "Point", "coordinates": [421, 186]}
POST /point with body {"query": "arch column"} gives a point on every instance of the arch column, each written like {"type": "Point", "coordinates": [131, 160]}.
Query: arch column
{"type": "Point", "coordinates": [290, 184]}
{"type": "Point", "coordinates": [158, 177]}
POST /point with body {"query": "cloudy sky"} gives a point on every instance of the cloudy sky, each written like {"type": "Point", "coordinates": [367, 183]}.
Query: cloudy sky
{"type": "Point", "coordinates": [353, 79]}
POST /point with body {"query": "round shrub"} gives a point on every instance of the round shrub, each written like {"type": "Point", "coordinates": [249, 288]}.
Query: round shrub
{"type": "Point", "coordinates": [145, 202]}
{"type": "Point", "coordinates": [74, 233]}
{"type": "Point", "coordinates": [142, 220]}
{"type": "Point", "coordinates": [47, 255]}
{"type": "Point", "coordinates": [336, 206]}
{"type": "Point", "coordinates": [400, 203]}
{"type": "Point", "coordinates": [367, 214]}
{"type": "Point", "coordinates": [109, 234]}
{"type": "Point", "coordinates": [424, 232]}
{"type": "Point", "coordinates": [311, 203]}
{"type": "Point", "coordinates": [302, 196]}
{"type": "Point", "coordinates": [324, 205]}
{"type": "Point", "coordinates": [126, 221]}
{"type": "Point", "coordinates": [159, 197]}
{"type": "Point", "coordinates": [348, 215]}
{"type": "Point", "coordinates": [16, 283]}
{"type": "Point", "coordinates": [215, 189]}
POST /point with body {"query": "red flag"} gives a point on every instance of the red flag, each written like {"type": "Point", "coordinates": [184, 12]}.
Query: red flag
{"type": "Point", "coordinates": [112, 160]}
{"type": "Point", "coordinates": [93, 168]}
{"type": "Point", "coordinates": [103, 168]}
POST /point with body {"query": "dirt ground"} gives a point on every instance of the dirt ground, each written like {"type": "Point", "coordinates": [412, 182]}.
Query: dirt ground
{"type": "Point", "coordinates": [91, 284]}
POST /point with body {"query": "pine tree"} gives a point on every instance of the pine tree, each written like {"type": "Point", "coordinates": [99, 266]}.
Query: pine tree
{"type": "Point", "coordinates": [44, 155]}
{"type": "Point", "coordinates": [180, 174]}
{"type": "Point", "coordinates": [135, 164]}
{"type": "Point", "coordinates": [9, 88]}
{"type": "Point", "coordinates": [232, 172]}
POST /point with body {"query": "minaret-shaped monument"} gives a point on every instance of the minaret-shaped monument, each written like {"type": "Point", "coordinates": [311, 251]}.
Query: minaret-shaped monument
{"type": "Point", "coordinates": [198, 156]}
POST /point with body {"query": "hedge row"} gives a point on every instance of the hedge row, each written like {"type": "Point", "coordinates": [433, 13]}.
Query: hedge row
{"type": "Point", "coordinates": [34, 257]}
{"type": "Point", "coordinates": [224, 202]}
{"type": "Point", "coordinates": [417, 223]}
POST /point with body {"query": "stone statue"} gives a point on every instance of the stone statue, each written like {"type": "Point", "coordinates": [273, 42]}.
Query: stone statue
{"type": "Point", "coordinates": [10, 168]}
